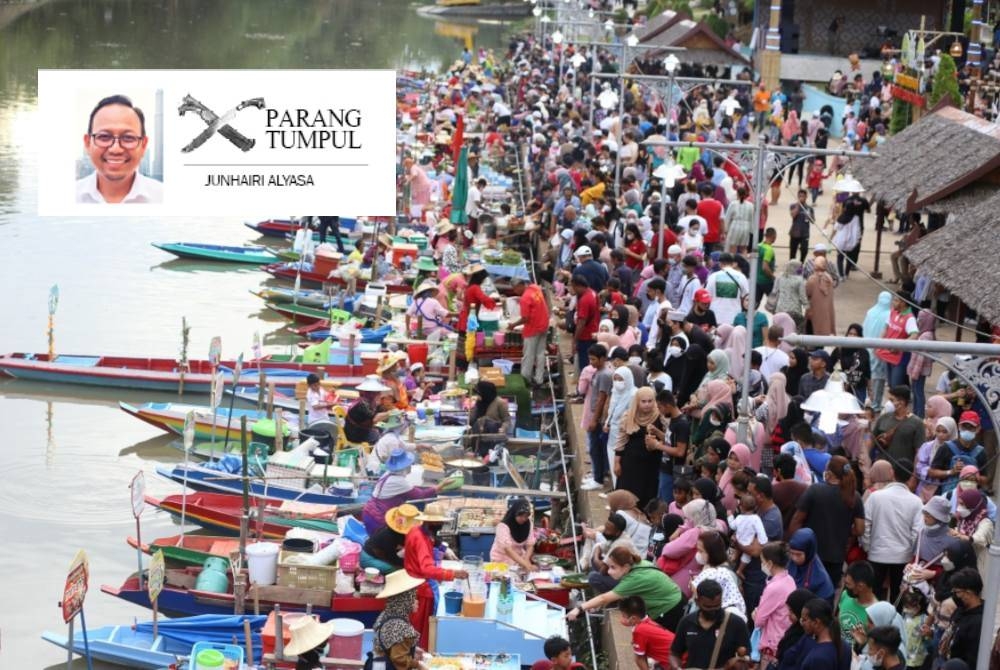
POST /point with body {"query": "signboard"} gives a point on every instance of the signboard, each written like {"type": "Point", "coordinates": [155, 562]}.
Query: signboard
{"type": "Point", "coordinates": [76, 586]}
{"type": "Point", "coordinates": [218, 387]}
{"type": "Point", "coordinates": [908, 96]}
{"type": "Point", "coordinates": [215, 351]}
{"type": "Point", "coordinates": [157, 575]}
{"type": "Point", "coordinates": [138, 487]}
{"type": "Point", "coordinates": [189, 431]}
{"type": "Point", "coordinates": [53, 299]}
{"type": "Point", "coordinates": [907, 81]}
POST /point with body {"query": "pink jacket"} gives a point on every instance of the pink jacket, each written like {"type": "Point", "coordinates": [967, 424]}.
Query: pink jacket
{"type": "Point", "coordinates": [685, 545]}
{"type": "Point", "coordinates": [771, 614]}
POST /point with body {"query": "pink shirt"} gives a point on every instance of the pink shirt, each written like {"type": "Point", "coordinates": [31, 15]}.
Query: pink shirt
{"type": "Point", "coordinates": [503, 541]}
{"type": "Point", "coordinates": [583, 387]}
{"type": "Point", "coordinates": [771, 614]}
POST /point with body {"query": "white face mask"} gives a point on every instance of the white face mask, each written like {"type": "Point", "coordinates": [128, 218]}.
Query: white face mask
{"type": "Point", "coordinates": [766, 568]}
{"type": "Point", "coordinates": [963, 512]}
{"type": "Point", "coordinates": [967, 484]}
{"type": "Point", "coordinates": [947, 564]}
{"type": "Point", "coordinates": [888, 408]}
{"type": "Point", "coordinates": [619, 385]}
{"type": "Point", "coordinates": [701, 559]}
{"type": "Point", "coordinates": [673, 352]}
{"type": "Point", "coordinates": [635, 360]}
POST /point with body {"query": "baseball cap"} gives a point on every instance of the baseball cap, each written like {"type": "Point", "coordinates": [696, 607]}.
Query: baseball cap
{"type": "Point", "coordinates": [583, 251]}
{"type": "Point", "coordinates": [702, 296]}
{"type": "Point", "coordinates": [969, 417]}
{"type": "Point", "coordinates": [820, 353]}
{"type": "Point", "coordinates": [819, 247]}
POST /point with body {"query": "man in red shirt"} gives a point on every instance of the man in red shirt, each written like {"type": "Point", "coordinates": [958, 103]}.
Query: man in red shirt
{"type": "Point", "coordinates": [588, 317]}
{"type": "Point", "coordinates": [710, 209]}
{"type": "Point", "coordinates": [650, 641]}
{"type": "Point", "coordinates": [535, 318]}
{"type": "Point", "coordinates": [669, 238]}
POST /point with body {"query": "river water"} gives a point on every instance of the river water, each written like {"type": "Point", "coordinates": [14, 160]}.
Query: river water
{"type": "Point", "coordinates": [70, 453]}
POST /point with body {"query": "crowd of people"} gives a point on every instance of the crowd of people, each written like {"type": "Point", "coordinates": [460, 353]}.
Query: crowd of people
{"type": "Point", "coordinates": [794, 546]}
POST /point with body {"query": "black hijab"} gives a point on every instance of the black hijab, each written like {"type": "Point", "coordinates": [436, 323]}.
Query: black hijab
{"type": "Point", "coordinates": [963, 555]}
{"type": "Point", "coordinates": [795, 601]}
{"type": "Point", "coordinates": [794, 374]}
{"type": "Point", "coordinates": [518, 531]}
{"type": "Point", "coordinates": [487, 392]}
{"type": "Point", "coordinates": [709, 491]}
{"type": "Point", "coordinates": [695, 367]}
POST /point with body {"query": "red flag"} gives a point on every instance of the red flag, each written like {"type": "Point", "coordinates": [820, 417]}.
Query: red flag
{"type": "Point", "coordinates": [458, 138]}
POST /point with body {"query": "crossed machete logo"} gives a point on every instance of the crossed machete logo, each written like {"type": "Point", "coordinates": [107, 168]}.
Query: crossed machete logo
{"type": "Point", "coordinates": [218, 124]}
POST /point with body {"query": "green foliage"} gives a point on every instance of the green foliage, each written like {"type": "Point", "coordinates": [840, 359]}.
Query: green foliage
{"type": "Point", "coordinates": [902, 116]}
{"type": "Point", "coordinates": [657, 7]}
{"type": "Point", "coordinates": [717, 24]}
{"type": "Point", "coordinates": [946, 82]}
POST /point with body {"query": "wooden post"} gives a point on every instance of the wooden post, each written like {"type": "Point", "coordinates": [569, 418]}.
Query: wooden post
{"type": "Point", "coordinates": [261, 386]}
{"type": "Point", "coordinates": [350, 349]}
{"type": "Point", "coordinates": [302, 411]}
{"type": "Point", "coordinates": [247, 637]}
{"type": "Point", "coordinates": [880, 213]}
{"type": "Point", "coordinates": [272, 388]}
{"type": "Point", "coordinates": [378, 312]}
{"type": "Point", "coordinates": [279, 437]}
{"type": "Point", "coordinates": [452, 360]}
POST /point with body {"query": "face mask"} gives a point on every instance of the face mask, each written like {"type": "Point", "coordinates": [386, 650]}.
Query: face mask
{"type": "Point", "coordinates": [672, 261]}
{"type": "Point", "coordinates": [635, 360]}
{"type": "Point", "coordinates": [888, 408]}
{"type": "Point", "coordinates": [619, 385]}
{"type": "Point", "coordinates": [701, 559]}
{"type": "Point", "coordinates": [967, 484]}
{"type": "Point", "coordinates": [963, 512]}
{"type": "Point", "coordinates": [947, 564]}
{"type": "Point", "coordinates": [841, 422]}
{"type": "Point", "coordinates": [877, 661]}
{"type": "Point", "coordinates": [967, 435]}
{"type": "Point", "coordinates": [911, 612]}
{"type": "Point", "coordinates": [714, 615]}
{"type": "Point", "coordinates": [931, 525]}
{"type": "Point", "coordinates": [673, 352]}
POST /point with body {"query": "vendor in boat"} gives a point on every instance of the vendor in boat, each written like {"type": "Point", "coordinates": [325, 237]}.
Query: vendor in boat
{"type": "Point", "coordinates": [359, 423]}
{"type": "Point", "coordinates": [393, 489]}
{"type": "Point", "coordinates": [319, 402]}
{"type": "Point", "coordinates": [474, 296]}
{"type": "Point", "coordinates": [417, 384]}
{"type": "Point", "coordinates": [396, 397]}
{"type": "Point", "coordinates": [446, 248]}
{"type": "Point", "coordinates": [514, 543]}
{"type": "Point", "coordinates": [381, 249]}
{"type": "Point", "coordinates": [393, 636]}
{"type": "Point", "coordinates": [426, 317]}
{"type": "Point", "coordinates": [309, 639]}
{"type": "Point", "coordinates": [451, 291]}
{"type": "Point", "coordinates": [490, 417]}
{"type": "Point", "coordinates": [418, 559]}
{"type": "Point", "coordinates": [383, 549]}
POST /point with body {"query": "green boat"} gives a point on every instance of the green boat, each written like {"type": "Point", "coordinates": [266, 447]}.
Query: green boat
{"type": "Point", "coordinates": [214, 252]}
{"type": "Point", "coordinates": [189, 549]}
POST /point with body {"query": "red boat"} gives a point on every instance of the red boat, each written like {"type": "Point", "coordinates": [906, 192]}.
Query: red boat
{"type": "Point", "coordinates": [317, 279]}
{"type": "Point", "coordinates": [223, 511]}
{"type": "Point", "coordinates": [162, 374]}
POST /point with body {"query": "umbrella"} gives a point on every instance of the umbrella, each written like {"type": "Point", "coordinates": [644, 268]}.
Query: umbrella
{"type": "Point", "coordinates": [460, 189]}
{"type": "Point", "coordinates": [832, 401]}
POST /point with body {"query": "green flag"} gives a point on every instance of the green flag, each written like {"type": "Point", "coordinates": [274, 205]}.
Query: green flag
{"type": "Point", "coordinates": [460, 189]}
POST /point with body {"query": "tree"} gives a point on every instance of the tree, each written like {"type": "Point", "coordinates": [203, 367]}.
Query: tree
{"type": "Point", "coordinates": [946, 82]}
{"type": "Point", "coordinates": [902, 116]}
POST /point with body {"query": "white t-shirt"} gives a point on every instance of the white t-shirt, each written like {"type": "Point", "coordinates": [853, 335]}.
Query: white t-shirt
{"type": "Point", "coordinates": [688, 286]}
{"type": "Point", "coordinates": [772, 360]}
{"type": "Point", "coordinates": [144, 189]}
{"type": "Point", "coordinates": [685, 220]}
{"type": "Point", "coordinates": [315, 414]}
{"type": "Point", "coordinates": [727, 287]}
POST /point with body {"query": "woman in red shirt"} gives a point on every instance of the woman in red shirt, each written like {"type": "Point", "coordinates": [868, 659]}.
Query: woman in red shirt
{"type": "Point", "coordinates": [474, 296]}
{"type": "Point", "coordinates": [635, 248]}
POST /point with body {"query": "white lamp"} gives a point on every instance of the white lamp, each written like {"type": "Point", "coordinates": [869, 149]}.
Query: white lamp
{"type": "Point", "coordinates": [608, 99]}
{"type": "Point", "coordinates": [832, 401]}
{"type": "Point", "coordinates": [537, 11]}
{"type": "Point", "coordinates": [669, 173]}
{"type": "Point", "coordinates": [670, 63]}
{"type": "Point", "coordinates": [546, 19]}
{"type": "Point", "coordinates": [609, 25]}
{"type": "Point", "coordinates": [631, 40]}
{"type": "Point", "coordinates": [577, 60]}
{"type": "Point", "coordinates": [557, 37]}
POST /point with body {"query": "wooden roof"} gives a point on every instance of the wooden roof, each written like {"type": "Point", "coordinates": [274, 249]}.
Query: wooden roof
{"type": "Point", "coordinates": [698, 38]}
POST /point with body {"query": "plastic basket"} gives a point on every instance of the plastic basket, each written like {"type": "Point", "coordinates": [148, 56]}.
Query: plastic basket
{"type": "Point", "coordinates": [505, 365]}
{"type": "Point", "coordinates": [323, 577]}
{"type": "Point", "coordinates": [230, 652]}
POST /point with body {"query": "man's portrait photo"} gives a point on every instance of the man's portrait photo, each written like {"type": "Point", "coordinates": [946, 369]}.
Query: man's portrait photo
{"type": "Point", "coordinates": [116, 142]}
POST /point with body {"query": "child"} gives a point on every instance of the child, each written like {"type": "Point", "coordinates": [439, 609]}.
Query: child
{"type": "Point", "coordinates": [747, 526]}
{"type": "Point", "coordinates": [814, 180]}
{"type": "Point", "coordinates": [682, 496]}
{"type": "Point", "coordinates": [611, 296]}
{"type": "Point", "coordinates": [706, 468]}
{"type": "Point", "coordinates": [914, 617]}
{"type": "Point", "coordinates": [692, 240]}
{"type": "Point", "coordinates": [650, 641]}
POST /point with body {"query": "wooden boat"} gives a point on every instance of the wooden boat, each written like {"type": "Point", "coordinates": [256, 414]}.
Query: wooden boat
{"type": "Point", "coordinates": [279, 296]}
{"type": "Point", "coordinates": [135, 646]}
{"type": "Point", "coordinates": [222, 512]}
{"type": "Point", "coordinates": [317, 280]}
{"type": "Point", "coordinates": [180, 598]}
{"type": "Point", "coordinates": [282, 228]}
{"type": "Point", "coordinates": [189, 549]}
{"type": "Point", "coordinates": [216, 482]}
{"type": "Point", "coordinates": [300, 313]}
{"type": "Point", "coordinates": [474, 9]}
{"type": "Point", "coordinates": [162, 374]}
{"type": "Point", "coordinates": [170, 416]}
{"type": "Point", "coordinates": [214, 252]}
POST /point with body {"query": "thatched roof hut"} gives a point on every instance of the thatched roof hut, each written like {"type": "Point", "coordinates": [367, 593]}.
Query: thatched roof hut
{"type": "Point", "coordinates": [935, 157]}
{"type": "Point", "coordinates": [962, 255]}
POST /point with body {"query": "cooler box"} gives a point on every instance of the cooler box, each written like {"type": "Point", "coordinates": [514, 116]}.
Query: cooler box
{"type": "Point", "coordinates": [401, 251]}
{"type": "Point", "coordinates": [326, 262]}
{"type": "Point", "coordinates": [476, 542]}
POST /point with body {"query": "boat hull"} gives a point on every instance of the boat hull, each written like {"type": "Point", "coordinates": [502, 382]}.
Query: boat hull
{"type": "Point", "coordinates": [120, 645]}
{"type": "Point", "coordinates": [215, 252]}
{"type": "Point", "coordinates": [213, 481]}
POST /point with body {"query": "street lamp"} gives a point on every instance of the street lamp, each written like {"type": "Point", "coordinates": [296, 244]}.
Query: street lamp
{"type": "Point", "coordinates": [608, 99]}
{"type": "Point", "coordinates": [632, 40]}
{"type": "Point", "coordinates": [536, 11]}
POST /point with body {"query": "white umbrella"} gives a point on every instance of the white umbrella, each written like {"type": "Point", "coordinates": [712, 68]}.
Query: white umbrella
{"type": "Point", "coordinates": [848, 185]}
{"type": "Point", "coordinates": [832, 401]}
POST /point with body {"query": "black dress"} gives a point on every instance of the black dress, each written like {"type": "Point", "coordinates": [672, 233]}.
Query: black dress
{"type": "Point", "coordinates": [640, 466]}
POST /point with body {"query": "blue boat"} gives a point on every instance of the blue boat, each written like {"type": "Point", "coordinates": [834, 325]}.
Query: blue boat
{"type": "Point", "coordinates": [218, 252]}
{"type": "Point", "coordinates": [136, 647]}
{"type": "Point", "coordinates": [201, 478]}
